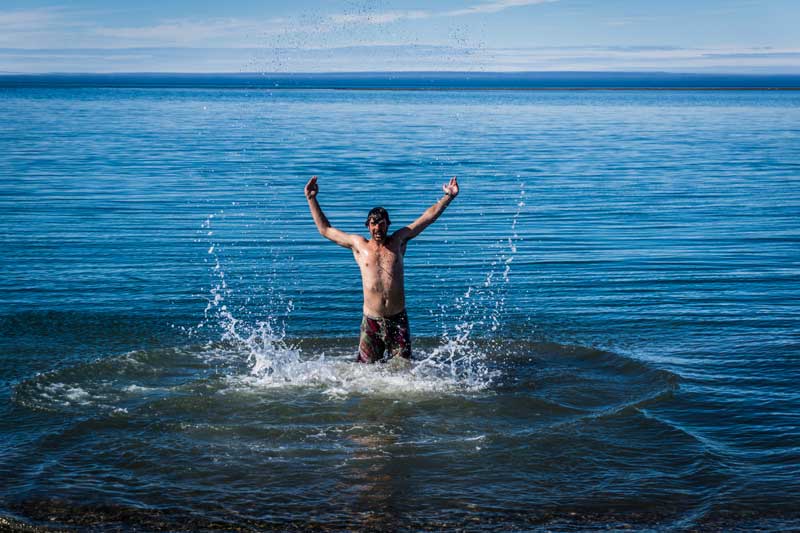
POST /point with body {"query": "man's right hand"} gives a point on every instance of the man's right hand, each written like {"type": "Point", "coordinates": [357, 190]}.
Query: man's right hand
{"type": "Point", "coordinates": [312, 188]}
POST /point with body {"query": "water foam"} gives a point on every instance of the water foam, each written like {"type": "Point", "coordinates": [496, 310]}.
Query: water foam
{"type": "Point", "coordinates": [273, 361]}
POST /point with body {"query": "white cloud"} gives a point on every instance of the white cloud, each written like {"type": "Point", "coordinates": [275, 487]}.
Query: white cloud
{"type": "Point", "coordinates": [402, 57]}
{"type": "Point", "coordinates": [494, 7]}
{"type": "Point", "coordinates": [394, 16]}
{"type": "Point", "coordinates": [28, 19]}
{"type": "Point", "coordinates": [319, 43]}
{"type": "Point", "coordinates": [60, 27]}
{"type": "Point", "coordinates": [629, 21]}
{"type": "Point", "coordinates": [378, 18]}
{"type": "Point", "coordinates": [44, 27]}
{"type": "Point", "coordinates": [634, 58]}
{"type": "Point", "coordinates": [186, 32]}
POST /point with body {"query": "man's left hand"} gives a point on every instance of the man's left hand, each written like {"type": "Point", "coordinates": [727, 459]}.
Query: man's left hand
{"type": "Point", "coordinates": [451, 188]}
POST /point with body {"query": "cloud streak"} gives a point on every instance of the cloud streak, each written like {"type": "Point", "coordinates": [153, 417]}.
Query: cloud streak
{"type": "Point", "coordinates": [33, 39]}
{"type": "Point", "coordinates": [29, 19]}
{"type": "Point", "coordinates": [186, 32]}
{"type": "Point", "coordinates": [404, 58]}
{"type": "Point", "coordinates": [51, 27]}
{"type": "Point", "coordinates": [17, 26]}
{"type": "Point", "coordinates": [378, 18]}
{"type": "Point", "coordinates": [495, 7]}
{"type": "Point", "coordinates": [387, 17]}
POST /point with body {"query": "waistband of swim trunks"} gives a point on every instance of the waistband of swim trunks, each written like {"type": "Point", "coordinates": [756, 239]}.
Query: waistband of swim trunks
{"type": "Point", "coordinates": [391, 317]}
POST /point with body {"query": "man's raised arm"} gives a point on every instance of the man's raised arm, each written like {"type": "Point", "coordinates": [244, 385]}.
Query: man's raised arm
{"type": "Point", "coordinates": [432, 213]}
{"type": "Point", "coordinates": [325, 229]}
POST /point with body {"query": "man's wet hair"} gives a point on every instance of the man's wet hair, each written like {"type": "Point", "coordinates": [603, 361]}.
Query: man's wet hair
{"type": "Point", "coordinates": [377, 213]}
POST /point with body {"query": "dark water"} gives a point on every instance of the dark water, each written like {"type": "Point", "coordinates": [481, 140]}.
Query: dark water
{"type": "Point", "coordinates": [605, 320]}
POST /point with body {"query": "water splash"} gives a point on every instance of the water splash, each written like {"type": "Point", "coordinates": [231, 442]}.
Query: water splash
{"type": "Point", "coordinates": [261, 356]}
{"type": "Point", "coordinates": [481, 307]}
{"type": "Point", "coordinates": [265, 334]}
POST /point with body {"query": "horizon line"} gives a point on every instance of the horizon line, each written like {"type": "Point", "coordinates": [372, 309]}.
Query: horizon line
{"type": "Point", "coordinates": [411, 81]}
{"type": "Point", "coordinates": [395, 72]}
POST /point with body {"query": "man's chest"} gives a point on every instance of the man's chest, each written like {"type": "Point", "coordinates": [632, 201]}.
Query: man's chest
{"type": "Point", "coordinates": [384, 258]}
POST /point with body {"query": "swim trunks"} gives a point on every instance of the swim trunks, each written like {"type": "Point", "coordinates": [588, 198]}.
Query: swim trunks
{"type": "Point", "coordinates": [390, 333]}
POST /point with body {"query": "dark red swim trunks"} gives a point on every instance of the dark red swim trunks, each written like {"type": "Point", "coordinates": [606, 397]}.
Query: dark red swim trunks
{"type": "Point", "coordinates": [389, 333]}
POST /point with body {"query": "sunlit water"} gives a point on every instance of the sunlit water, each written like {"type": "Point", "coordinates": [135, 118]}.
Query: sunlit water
{"type": "Point", "coordinates": [605, 321]}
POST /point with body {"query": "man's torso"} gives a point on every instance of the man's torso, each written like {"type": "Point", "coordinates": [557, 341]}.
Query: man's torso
{"type": "Point", "coordinates": [382, 276]}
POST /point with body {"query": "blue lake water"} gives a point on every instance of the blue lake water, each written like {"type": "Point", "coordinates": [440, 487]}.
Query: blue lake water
{"type": "Point", "coordinates": [605, 321]}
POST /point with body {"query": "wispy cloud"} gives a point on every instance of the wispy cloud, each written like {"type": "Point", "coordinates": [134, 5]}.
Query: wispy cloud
{"type": "Point", "coordinates": [58, 26]}
{"type": "Point", "coordinates": [378, 18]}
{"type": "Point", "coordinates": [648, 58]}
{"type": "Point", "coordinates": [629, 21]}
{"type": "Point", "coordinates": [494, 7]}
{"type": "Point", "coordinates": [401, 57]}
{"type": "Point", "coordinates": [395, 16]}
{"type": "Point", "coordinates": [28, 19]}
{"type": "Point", "coordinates": [20, 27]}
{"type": "Point", "coordinates": [44, 27]}
{"type": "Point", "coordinates": [336, 41]}
{"type": "Point", "coordinates": [187, 32]}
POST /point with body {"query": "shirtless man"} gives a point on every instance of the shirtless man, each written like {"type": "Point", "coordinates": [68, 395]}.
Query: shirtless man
{"type": "Point", "coordinates": [385, 323]}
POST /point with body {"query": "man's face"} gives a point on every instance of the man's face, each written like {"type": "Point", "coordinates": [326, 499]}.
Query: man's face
{"type": "Point", "coordinates": [378, 228]}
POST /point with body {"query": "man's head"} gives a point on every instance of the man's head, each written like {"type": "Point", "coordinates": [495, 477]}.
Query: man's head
{"type": "Point", "coordinates": [378, 223]}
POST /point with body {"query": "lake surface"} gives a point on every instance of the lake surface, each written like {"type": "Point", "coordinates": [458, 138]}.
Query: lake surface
{"type": "Point", "coordinates": [605, 321]}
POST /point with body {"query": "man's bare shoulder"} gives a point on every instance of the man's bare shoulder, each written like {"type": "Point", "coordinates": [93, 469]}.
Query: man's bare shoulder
{"type": "Point", "coordinates": [402, 235]}
{"type": "Point", "coordinates": [397, 242]}
{"type": "Point", "coordinates": [358, 241]}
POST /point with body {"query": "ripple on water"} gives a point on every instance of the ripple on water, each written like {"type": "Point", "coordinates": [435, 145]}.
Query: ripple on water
{"type": "Point", "coordinates": [164, 422]}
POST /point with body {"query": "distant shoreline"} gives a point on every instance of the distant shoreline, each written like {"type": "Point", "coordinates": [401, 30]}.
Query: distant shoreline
{"type": "Point", "coordinates": [418, 81]}
{"type": "Point", "coordinates": [410, 89]}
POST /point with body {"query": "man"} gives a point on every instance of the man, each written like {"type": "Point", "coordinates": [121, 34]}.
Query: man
{"type": "Point", "coordinates": [380, 258]}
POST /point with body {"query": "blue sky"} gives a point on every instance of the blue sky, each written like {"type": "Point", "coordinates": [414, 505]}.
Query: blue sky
{"type": "Point", "coordinates": [367, 35]}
